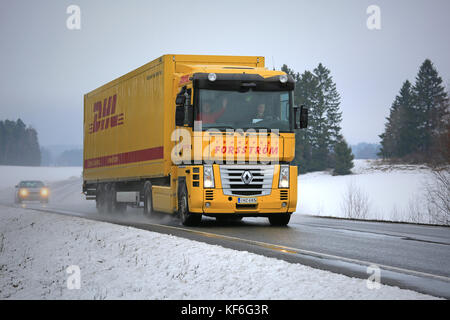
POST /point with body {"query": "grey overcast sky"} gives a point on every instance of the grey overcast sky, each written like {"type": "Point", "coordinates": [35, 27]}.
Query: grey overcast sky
{"type": "Point", "coordinates": [46, 68]}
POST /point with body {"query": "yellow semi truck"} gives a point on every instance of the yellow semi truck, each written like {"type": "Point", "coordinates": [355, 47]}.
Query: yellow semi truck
{"type": "Point", "coordinates": [194, 135]}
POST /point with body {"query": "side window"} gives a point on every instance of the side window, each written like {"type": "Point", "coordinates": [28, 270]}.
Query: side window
{"type": "Point", "coordinates": [284, 103]}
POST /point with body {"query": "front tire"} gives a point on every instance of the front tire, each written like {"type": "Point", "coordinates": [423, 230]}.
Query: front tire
{"type": "Point", "coordinates": [280, 219]}
{"type": "Point", "coordinates": [187, 218]}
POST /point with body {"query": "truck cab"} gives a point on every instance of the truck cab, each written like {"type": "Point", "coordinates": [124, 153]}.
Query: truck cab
{"type": "Point", "coordinates": [239, 141]}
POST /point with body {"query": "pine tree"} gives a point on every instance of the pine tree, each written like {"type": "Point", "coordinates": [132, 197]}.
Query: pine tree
{"type": "Point", "coordinates": [326, 119]}
{"type": "Point", "coordinates": [317, 91]}
{"type": "Point", "coordinates": [407, 121]}
{"type": "Point", "coordinates": [307, 91]}
{"type": "Point", "coordinates": [400, 136]}
{"type": "Point", "coordinates": [343, 157]}
{"type": "Point", "coordinates": [330, 98]}
{"type": "Point", "coordinates": [19, 144]}
{"type": "Point", "coordinates": [431, 105]}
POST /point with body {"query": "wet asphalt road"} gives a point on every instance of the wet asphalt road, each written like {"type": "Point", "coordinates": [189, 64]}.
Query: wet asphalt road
{"type": "Point", "coordinates": [409, 256]}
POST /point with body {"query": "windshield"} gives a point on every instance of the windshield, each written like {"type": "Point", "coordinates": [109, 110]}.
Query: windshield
{"type": "Point", "coordinates": [31, 184]}
{"type": "Point", "coordinates": [243, 110]}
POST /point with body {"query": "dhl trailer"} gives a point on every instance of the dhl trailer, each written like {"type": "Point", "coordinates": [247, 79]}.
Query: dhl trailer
{"type": "Point", "coordinates": [194, 135]}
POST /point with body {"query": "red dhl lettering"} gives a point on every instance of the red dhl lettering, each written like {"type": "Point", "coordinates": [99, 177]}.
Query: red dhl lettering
{"type": "Point", "coordinates": [104, 115]}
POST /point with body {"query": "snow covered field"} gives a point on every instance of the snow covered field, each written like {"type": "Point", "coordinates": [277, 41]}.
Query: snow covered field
{"type": "Point", "coordinates": [390, 193]}
{"type": "Point", "coordinates": [116, 262]}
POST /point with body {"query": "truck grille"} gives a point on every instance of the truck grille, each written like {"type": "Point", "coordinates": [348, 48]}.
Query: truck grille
{"type": "Point", "coordinates": [257, 183]}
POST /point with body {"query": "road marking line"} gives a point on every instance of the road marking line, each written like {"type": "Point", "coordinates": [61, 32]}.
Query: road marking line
{"type": "Point", "coordinates": [307, 252]}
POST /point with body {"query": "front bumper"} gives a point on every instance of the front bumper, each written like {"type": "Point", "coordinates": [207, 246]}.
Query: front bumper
{"type": "Point", "coordinates": [213, 202]}
{"type": "Point", "coordinates": [33, 196]}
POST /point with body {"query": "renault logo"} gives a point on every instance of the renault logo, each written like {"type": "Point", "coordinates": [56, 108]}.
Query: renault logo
{"type": "Point", "coordinates": [247, 177]}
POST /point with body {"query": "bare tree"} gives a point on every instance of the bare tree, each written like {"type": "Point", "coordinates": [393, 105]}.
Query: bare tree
{"type": "Point", "coordinates": [355, 203]}
{"type": "Point", "coordinates": [438, 196]}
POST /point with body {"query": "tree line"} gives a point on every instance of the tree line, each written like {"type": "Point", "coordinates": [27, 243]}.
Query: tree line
{"type": "Point", "coordinates": [19, 144]}
{"type": "Point", "coordinates": [321, 146]}
{"type": "Point", "coordinates": [418, 127]}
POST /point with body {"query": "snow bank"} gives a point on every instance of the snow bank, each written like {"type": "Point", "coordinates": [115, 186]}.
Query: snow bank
{"type": "Point", "coordinates": [125, 263]}
{"type": "Point", "coordinates": [393, 193]}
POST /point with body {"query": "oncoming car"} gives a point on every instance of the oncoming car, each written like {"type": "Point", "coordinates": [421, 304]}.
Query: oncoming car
{"type": "Point", "coordinates": [31, 190]}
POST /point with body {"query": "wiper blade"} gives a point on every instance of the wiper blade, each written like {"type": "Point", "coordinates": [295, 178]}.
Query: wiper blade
{"type": "Point", "coordinates": [219, 127]}
{"type": "Point", "coordinates": [266, 128]}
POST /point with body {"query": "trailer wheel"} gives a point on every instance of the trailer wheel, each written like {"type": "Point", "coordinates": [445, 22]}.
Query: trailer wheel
{"type": "Point", "coordinates": [110, 193]}
{"type": "Point", "coordinates": [121, 207]}
{"type": "Point", "coordinates": [148, 199]}
{"type": "Point", "coordinates": [100, 199]}
{"type": "Point", "coordinates": [115, 207]}
{"type": "Point", "coordinates": [187, 218]}
{"type": "Point", "coordinates": [280, 219]}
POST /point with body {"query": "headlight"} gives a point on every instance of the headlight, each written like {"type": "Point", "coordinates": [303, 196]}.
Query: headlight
{"type": "Point", "coordinates": [23, 192]}
{"type": "Point", "coordinates": [44, 192]}
{"type": "Point", "coordinates": [284, 177]}
{"type": "Point", "coordinates": [208, 177]}
{"type": "Point", "coordinates": [212, 77]}
{"type": "Point", "coordinates": [283, 78]}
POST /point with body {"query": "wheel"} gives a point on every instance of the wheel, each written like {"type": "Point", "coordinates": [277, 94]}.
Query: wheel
{"type": "Point", "coordinates": [110, 198]}
{"type": "Point", "coordinates": [148, 199]}
{"type": "Point", "coordinates": [280, 219]}
{"type": "Point", "coordinates": [100, 200]}
{"type": "Point", "coordinates": [187, 218]}
{"type": "Point", "coordinates": [120, 207]}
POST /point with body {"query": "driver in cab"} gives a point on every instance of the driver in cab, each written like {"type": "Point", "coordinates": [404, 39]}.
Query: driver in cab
{"type": "Point", "coordinates": [207, 116]}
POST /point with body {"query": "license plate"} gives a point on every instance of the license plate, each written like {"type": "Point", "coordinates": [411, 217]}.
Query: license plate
{"type": "Point", "coordinates": [247, 200]}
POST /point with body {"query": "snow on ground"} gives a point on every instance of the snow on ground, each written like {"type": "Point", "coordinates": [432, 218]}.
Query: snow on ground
{"type": "Point", "coordinates": [392, 192]}
{"type": "Point", "coordinates": [117, 262]}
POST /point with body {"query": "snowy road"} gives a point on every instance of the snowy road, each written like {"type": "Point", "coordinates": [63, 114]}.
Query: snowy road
{"type": "Point", "coordinates": [410, 256]}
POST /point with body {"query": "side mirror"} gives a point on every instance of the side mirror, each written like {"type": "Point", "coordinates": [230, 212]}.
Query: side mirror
{"type": "Point", "coordinates": [179, 116]}
{"type": "Point", "coordinates": [184, 112]}
{"type": "Point", "coordinates": [303, 117]}
{"type": "Point", "coordinates": [180, 100]}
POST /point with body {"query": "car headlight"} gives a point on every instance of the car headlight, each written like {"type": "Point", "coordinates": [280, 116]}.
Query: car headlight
{"type": "Point", "coordinates": [284, 177]}
{"type": "Point", "coordinates": [23, 192]}
{"type": "Point", "coordinates": [44, 192]}
{"type": "Point", "coordinates": [208, 177]}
